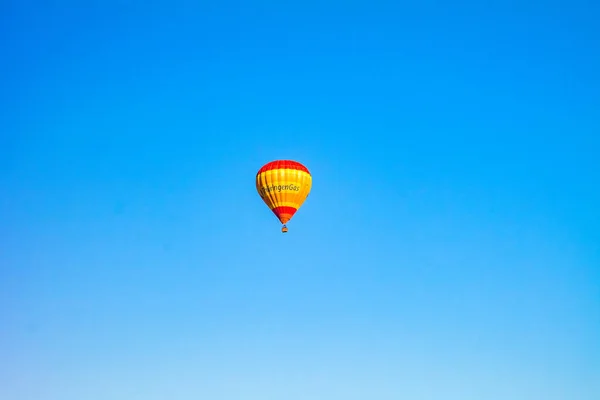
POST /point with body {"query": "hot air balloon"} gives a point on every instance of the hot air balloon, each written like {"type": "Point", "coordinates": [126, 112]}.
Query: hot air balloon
{"type": "Point", "coordinates": [283, 185]}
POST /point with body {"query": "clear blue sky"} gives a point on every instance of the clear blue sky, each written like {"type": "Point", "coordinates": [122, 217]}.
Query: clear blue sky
{"type": "Point", "coordinates": [450, 248]}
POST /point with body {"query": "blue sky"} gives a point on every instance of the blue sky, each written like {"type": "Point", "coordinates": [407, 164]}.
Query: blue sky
{"type": "Point", "coordinates": [450, 247]}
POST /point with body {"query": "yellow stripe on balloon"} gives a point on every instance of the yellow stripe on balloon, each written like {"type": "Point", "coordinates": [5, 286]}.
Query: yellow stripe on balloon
{"type": "Point", "coordinates": [294, 204]}
{"type": "Point", "coordinates": [285, 172]}
{"type": "Point", "coordinates": [284, 187]}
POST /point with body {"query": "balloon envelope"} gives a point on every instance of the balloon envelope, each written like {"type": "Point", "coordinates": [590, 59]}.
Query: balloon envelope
{"type": "Point", "coordinates": [283, 185]}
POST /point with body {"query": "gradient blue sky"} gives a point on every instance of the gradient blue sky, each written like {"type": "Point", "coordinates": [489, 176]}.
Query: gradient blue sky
{"type": "Point", "coordinates": [450, 248]}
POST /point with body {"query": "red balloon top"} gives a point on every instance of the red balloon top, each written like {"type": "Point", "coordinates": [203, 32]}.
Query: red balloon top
{"type": "Point", "coordinates": [283, 164]}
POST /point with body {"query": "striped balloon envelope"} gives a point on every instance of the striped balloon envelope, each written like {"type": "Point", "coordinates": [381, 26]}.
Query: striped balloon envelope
{"type": "Point", "coordinates": [283, 185]}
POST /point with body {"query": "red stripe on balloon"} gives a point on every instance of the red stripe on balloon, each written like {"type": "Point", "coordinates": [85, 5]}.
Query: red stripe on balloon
{"type": "Point", "coordinates": [284, 213]}
{"type": "Point", "coordinates": [283, 164]}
